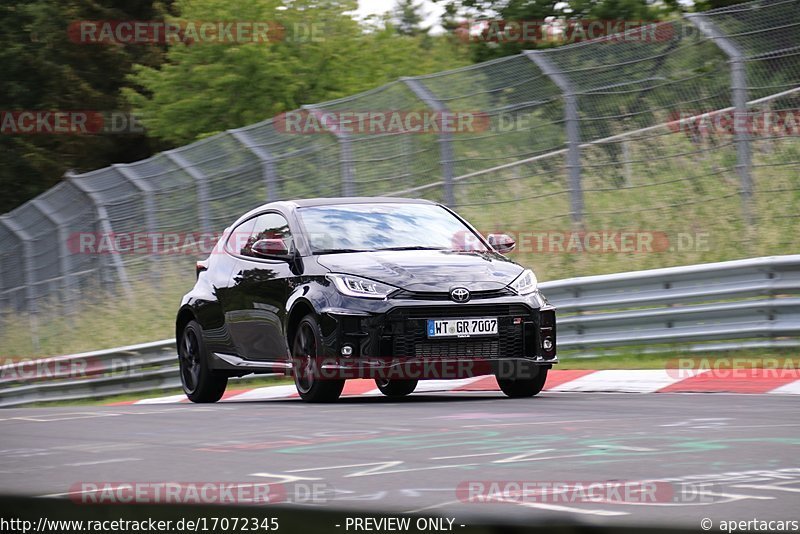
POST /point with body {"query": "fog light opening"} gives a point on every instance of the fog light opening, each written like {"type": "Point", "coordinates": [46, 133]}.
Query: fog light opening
{"type": "Point", "coordinates": [547, 343]}
{"type": "Point", "coordinates": [347, 350]}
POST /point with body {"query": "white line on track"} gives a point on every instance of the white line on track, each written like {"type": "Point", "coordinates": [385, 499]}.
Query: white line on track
{"type": "Point", "coordinates": [623, 448]}
{"type": "Point", "coordinates": [103, 488]}
{"type": "Point", "coordinates": [556, 422]}
{"type": "Point", "coordinates": [109, 461]}
{"type": "Point", "coordinates": [49, 418]}
{"type": "Point", "coordinates": [561, 508]}
{"type": "Point", "coordinates": [792, 388]}
{"type": "Point", "coordinates": [380, 468]}
{"type": "Point", "coordinates": [541, 506]}
{"type": "Point", "coordinates": [467, 455]}
{"type": "Point", "coordinates": [775, 487]}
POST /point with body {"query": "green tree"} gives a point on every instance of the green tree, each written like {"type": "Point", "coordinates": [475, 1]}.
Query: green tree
{"type": "Point", "coordinates": [485, 47]}
{"type": "Point", "coordinates": [43, 69]}
{"type": "Point", "coordinates": [705, 5]}
{"type": "Point", "coordinates": [408, 18]}
{"type": "Point", "coordinates": [324, 54]}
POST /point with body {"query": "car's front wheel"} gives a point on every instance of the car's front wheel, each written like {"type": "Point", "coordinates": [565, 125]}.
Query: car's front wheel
{"type": "Point", "coordinates": [200, 382]}
{"type": "Point", "coordinates": [397, 387]}
{"type": "Point", "coordinates": [306, 353]}
{"type": "Point", "coordinates": [523, 387]}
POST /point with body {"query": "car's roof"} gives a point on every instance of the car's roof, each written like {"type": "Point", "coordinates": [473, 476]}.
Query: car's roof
{"type": "Point", "coordinates": [288, 205]}
{"type": "Point", "coordinates": [307, 202]}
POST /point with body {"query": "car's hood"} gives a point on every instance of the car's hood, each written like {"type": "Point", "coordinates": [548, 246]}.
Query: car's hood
{"type": "Point", "coordinates": [427, 270]}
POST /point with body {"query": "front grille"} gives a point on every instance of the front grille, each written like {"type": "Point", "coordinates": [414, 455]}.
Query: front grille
{"type": "Point", "coordinates": [457, 348]}
{"type": "Point", "coordinates": [407, 327]}
{"type": "Point", "coordinates": [457, 311]}
{"type": "Point", "coordinates": [445, 295]}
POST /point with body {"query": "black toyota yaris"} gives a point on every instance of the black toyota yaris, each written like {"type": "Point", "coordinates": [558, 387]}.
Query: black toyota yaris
{"type": "Point", "coordinates": [392, 289]}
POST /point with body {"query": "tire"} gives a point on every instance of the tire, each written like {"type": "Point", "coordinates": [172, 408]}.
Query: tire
{"type": "Point", "coordinates": [200, 382]}
{"type": "Point", "coordinates": [397, 387]}
{"type": "Point", "coordinates": [305, 355]}
{"type": "Point", "coordinates": [523, 387]}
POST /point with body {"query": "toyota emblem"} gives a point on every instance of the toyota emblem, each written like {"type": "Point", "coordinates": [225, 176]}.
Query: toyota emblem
{"type": "Point", "coordinates": [459, 294]}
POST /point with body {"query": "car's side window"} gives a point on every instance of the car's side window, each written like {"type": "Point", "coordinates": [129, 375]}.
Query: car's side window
{"type": "Point", "coordinates": [272, 226]}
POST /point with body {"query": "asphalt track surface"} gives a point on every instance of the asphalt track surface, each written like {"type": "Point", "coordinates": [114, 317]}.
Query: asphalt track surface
{"type": "Point", "coordinates": [717, 456]}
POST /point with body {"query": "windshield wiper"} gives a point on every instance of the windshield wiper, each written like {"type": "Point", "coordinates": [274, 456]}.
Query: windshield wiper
{"type": "Point", "coordinates": [414, 247]}
{"type": "Point", "coordinates": [345, 250]}
{"type": "Point", "coordinates": [341, 250]}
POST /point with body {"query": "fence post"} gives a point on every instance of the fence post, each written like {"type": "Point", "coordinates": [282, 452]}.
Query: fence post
{"type": "Point", "coordinates": [345, 153]}
{"type": "Point", "coordinates": [200, 181]}
{"type": "Point", "coordinates": [64, 260]}
{"type": "Point", "coordinates": [739, 97]}
{"type": "Point", "coordinates": [572, 129]}
{"type": "Point", "coordinates": [267, 163]}
{"type": "Point", "coordinates": [446, 156]}
{"type": "Point", "coordinates": [129, 174]}
{"type": "Point", "coordinates": [105, 226]}
{"type": "Point", "coordinates": [27, 251]}
{"type": "Point", "coordinates": [627, 169]}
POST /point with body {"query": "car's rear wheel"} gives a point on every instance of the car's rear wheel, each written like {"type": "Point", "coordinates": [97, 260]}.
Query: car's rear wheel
{"type": "Point", "coordinates": [523, 387]}
{"type": "Point", "coordinates": [306, 350]}
{"type": "Point", "coordinates": [200, 382]}
{"type": "Point", "coordinates": [396, 387]}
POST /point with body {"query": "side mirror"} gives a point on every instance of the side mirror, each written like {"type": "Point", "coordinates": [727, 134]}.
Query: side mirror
{"type": "Point", "coordinates": [502, 243]}
{"type": "Point", "coordinates": [270, 248]}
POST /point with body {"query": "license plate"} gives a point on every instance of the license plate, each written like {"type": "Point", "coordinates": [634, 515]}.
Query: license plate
{"type": "Point", "coordinates": [482, 326]}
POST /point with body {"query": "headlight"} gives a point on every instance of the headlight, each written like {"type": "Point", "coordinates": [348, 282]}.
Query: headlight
{"type": "Point", "coordinates": [525, 283]}
{"type": "Point", "coordinates": [355, 286]}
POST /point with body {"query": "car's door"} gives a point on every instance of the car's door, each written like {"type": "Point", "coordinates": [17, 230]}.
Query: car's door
{"type": "Point", "coordinates": [255, 307]}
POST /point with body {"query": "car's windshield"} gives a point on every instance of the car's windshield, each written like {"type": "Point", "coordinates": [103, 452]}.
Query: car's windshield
{"type": "Point", "coordinates": [386, 226]}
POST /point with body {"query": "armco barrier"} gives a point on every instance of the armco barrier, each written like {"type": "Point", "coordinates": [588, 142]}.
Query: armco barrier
{"type": "Point", "coordinates": [716, 306]}
{"type": "Point", "coordinates": [734, 301]}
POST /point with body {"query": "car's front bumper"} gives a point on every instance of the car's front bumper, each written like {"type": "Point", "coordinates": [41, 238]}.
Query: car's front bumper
{"type": "Point", "coordinates": [389, 338]}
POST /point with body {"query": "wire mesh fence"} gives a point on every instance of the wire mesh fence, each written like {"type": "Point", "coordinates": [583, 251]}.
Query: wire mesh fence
{"type": "Point", "coordinates": [678, 128]}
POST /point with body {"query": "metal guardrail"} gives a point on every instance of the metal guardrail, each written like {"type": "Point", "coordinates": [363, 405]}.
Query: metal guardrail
{"type": "Point", "coordinates": [716, 306]}
{"type": "Point", "coordinates": [734, 301]}
{"type": "Point", "coordinates": [119, 371]}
